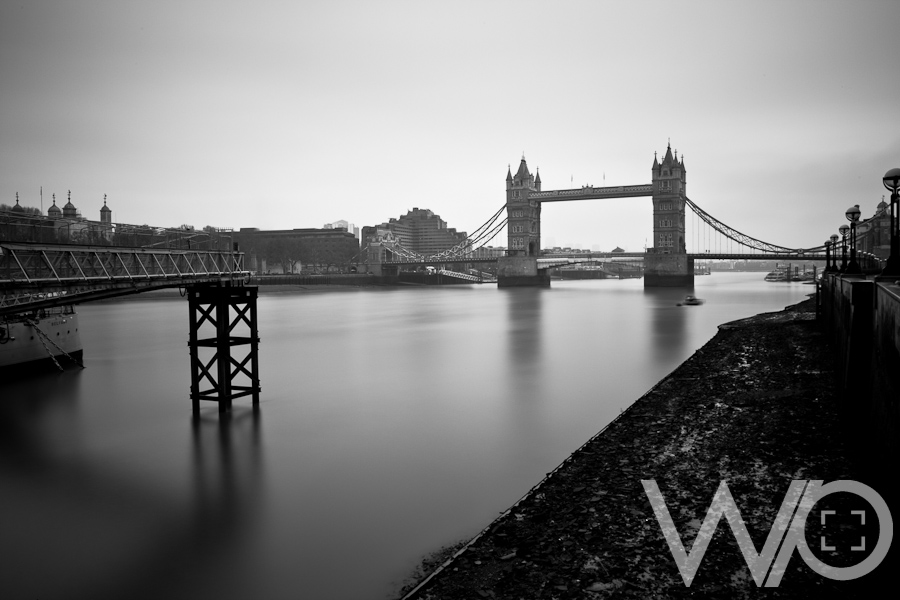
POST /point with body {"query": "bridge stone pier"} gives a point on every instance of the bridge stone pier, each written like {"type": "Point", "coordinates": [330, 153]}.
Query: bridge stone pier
{"type": "Point", "coordinates": [666, 264]}
{"type": "Point", "coordinates": [518, 271]}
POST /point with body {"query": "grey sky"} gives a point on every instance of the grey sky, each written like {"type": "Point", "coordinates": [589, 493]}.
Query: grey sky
{"type": "Point", "coordinates": [292, 114]}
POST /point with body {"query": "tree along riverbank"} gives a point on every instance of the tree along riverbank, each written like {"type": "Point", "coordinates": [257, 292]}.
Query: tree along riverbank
{"type": "Point", "coordinates": [756, 407]}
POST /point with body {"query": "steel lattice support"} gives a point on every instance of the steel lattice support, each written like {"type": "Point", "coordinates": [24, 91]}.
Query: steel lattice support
{"type": "Point", "coordinates": [223, 307]}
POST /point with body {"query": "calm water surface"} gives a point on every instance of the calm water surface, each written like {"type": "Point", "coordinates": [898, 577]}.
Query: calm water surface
{"type": "Point", "coordinates": [392, 422]}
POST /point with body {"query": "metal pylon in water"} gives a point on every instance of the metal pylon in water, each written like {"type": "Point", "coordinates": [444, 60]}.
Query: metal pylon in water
{"type": "Point", "coordinates": [224, 307]}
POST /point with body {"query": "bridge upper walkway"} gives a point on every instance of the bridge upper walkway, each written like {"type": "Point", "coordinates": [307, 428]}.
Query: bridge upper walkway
{"type": "Point", "coordinates": [590, 192]}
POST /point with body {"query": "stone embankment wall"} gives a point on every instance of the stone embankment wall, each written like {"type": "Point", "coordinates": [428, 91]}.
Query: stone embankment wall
{"type": "Point", "coordinates": [862, 318]}
{"type": "Point", "coordinates": [337, 279]}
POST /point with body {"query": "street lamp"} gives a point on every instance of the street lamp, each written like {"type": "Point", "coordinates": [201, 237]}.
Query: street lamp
{"type": "Point", "coordinates": [853, 216]}
{"type": "Point", "coordinates": [843, 229]}
{"type": "Point", "coordinates": [891, 181]}
{"type": "Point", "coordinates": [827, 256]}
{"type": "Point", "coordinates": [834, 239]}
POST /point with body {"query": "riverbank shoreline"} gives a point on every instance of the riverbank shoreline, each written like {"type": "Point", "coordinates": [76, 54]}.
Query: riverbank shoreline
{"type": "Point", "coordinates": [756, 407]}
{"type": "Point", "coordinates": [264, 290]}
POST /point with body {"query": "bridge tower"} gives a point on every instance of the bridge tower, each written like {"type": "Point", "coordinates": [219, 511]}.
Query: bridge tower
{"type": "Point", "coordinates": [523, 227]}
{"type": "Point", "coordinates": [667, 263]}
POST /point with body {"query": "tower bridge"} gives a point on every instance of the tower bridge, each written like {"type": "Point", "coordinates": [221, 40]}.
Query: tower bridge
{"type": "Point", "coordinates": [665, 264]}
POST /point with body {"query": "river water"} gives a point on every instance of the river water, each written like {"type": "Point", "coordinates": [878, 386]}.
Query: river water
{"type": "Point", "coordinates": [393, 421]}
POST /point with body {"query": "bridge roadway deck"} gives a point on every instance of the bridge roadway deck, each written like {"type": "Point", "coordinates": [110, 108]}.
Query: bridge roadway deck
{"type": "Point", "coordinates": [611, 255]}
{"type": "Point", "coordinates": [34, 276]}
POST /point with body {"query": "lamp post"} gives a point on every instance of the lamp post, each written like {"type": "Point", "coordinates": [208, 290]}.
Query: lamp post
{"type": "Point", "coordinates": [834, 239]}
{"type": "Point", "coordinates": [827, 256]}
{"type": "Point", "coordinates": [891, 181]}
{"type": "Point", "coordinates": [843, 229]}
{"type": "Point", "coordinates": [853, 216]}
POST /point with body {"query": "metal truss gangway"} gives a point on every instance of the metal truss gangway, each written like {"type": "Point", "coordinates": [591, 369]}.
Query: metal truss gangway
{"type": "Point", "coordinates": [468, 276]}
{"type": "Point", "coordinates": [34, 275]}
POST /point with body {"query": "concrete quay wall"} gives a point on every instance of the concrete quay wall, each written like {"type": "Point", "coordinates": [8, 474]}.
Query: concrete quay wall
{"type": "Point", "coordinates": [862, 318]}
{"type": "Point", "coordinates": [330, 279]}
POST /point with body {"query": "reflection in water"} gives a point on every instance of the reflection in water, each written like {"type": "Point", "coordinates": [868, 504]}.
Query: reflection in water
{"type": "Point", "coordinates": [523, 332]}
{"type": "Point", "coordinates": [668, 321]}
{"type": "Point", "coordinates": [396, 421]}
{"type": "Point", "coordinates": [29, 410]}
{"type": "Point", "coordinates": [227, 480]}
{"type": "Point", "coordinates": [112, 535]}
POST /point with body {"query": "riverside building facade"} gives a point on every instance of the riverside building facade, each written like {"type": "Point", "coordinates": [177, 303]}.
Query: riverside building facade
{"type": "Point", "coordinates": [299, 250]}
{"type": "Point", "coordinates": [420, 231]}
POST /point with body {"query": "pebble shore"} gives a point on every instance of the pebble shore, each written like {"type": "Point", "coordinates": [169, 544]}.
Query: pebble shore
{"type": "Point", "coordinates": [756, 407]}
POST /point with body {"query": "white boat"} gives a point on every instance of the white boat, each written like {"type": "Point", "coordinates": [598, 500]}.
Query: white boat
{"type": "Point", "coordinates": [43, 338]}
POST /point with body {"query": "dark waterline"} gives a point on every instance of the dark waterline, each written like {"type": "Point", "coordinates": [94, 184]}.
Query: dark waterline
{"type": "Point", "coordinates": [392, 422]}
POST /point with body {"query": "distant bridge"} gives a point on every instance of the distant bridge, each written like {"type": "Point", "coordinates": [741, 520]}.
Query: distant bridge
{"type": "Point", "coordinates": [668, 260]}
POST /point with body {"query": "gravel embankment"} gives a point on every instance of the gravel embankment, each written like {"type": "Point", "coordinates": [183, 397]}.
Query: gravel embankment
{"type": "Point", "coordinates": [755, 407]}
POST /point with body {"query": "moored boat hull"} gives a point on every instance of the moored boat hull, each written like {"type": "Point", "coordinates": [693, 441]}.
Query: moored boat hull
{"type": "Point", "coordinates": [29, 342]}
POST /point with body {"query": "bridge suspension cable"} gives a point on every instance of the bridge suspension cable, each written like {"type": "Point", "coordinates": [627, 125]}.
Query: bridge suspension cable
{"type": "Point", "coordinates": [485, 233]}
{"type": "Point", "coordinates": [478, 238]}
{"type": "Point", "coordinates": [742, 238]}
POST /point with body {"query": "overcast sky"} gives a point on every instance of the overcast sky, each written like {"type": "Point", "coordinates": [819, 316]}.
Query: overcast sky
{"type": "Point", "coordinates": [284, 114]}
